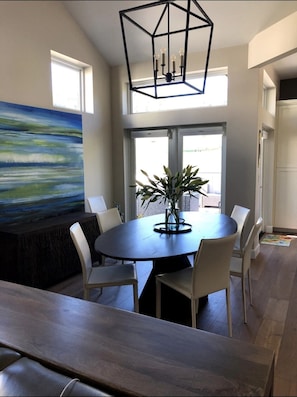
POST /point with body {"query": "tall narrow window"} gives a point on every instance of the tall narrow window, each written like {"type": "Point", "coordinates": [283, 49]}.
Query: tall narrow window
{"type": "Point", "coordinates": [72, 83]}
{"type": "Point", "coordinates": [268, 94]}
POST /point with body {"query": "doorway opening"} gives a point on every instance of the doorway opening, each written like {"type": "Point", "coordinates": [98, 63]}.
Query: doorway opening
{"type": "Point", "coordinates": [202, 147]}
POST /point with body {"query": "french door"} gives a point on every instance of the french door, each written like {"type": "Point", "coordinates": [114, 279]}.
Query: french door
{"type": "Point", "coordinates": [177, 148]}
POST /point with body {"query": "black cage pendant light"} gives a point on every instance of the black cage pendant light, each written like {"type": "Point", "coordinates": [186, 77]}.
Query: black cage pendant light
{"type": "Point", "coordinates": [173, 34]}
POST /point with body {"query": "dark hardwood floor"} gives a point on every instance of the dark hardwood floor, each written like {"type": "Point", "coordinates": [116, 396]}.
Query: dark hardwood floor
{"type": "Point", "coordinates": [272, 320]}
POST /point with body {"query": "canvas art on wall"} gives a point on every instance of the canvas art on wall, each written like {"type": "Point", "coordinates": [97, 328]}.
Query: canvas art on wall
{"type": "Point", "coordinates": [41, 163]}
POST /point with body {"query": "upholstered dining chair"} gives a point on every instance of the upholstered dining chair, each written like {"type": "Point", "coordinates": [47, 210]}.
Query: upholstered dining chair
{"type": "Point", "coordinates": [210, 273]}
{"type": "Point", "coordinates": [240, 215]}
{"type": "Point", "coordinates": [108, 219]}
{"type": "Point", "coordinates": [240, 266]}
{"type": "Point", "coordinates": [96, 204]}
{"type": "Point", "coordinates": [102, 276]}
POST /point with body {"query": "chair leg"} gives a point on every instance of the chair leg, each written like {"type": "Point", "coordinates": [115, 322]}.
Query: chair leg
{"type": "Point", "coordinates": [228, 307]}
{"type": "Point", "coordinates": [243, 298]}
{"type": "Point", "coordinates": [86, 294]}
{"type": "Point", "coordinates": [136, 301]}
{"type": "Point", "coordinates": [250, 286]}
{"type": "Point", "coordinates": [158, 298]}
{"type": "Point", "coordinates": [194, 305]}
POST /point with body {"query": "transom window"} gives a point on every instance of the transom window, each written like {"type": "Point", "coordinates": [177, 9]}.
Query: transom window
{"type": "Point", "coordinates": [216, 94]}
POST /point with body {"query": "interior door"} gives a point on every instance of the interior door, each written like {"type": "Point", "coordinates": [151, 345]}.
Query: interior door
{"type": "Point", "coordinates": [285, 215]}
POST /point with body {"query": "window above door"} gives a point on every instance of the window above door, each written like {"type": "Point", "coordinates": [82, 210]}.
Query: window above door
{"type": "Point", "coordinates": [216, 94]}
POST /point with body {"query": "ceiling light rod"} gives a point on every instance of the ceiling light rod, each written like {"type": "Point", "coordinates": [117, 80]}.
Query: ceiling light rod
{"type": "Point", "coordinates": [169, 75]}
{"type": "Point", "coordinates": [167, 68]}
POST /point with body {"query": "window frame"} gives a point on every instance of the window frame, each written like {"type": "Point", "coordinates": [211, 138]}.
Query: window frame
{"type": "Point", "coordinates": [211, 73]}
{"type": "Point", "coordinates": [86, 100]}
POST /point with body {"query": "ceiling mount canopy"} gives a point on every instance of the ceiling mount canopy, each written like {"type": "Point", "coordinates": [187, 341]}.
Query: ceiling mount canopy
{"type": "Point", "coordinates": [169, 33]}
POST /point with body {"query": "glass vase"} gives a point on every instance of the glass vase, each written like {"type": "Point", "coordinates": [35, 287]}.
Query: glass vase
{"type": "Point", "coordinates": [172, 217]}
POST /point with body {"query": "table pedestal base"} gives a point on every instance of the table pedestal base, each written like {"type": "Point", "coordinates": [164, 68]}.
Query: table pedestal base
{"type": "Point", "coordinates": [174, 306]}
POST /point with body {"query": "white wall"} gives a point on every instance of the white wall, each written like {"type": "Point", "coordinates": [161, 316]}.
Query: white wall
{"type": "Point", "coordinates": [241, 116]}
{"type": "Point", "coordinates": [275, 42]}
{"type": "Point", "coordinates": [28, 31]}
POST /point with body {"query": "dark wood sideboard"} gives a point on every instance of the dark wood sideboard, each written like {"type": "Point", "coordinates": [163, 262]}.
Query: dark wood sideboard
{"type": "Point", "coordinates": [41, 254]}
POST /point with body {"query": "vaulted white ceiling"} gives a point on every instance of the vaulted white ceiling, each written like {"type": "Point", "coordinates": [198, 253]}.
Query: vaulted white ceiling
{"type": "Point", "coordinates": [235, 23]}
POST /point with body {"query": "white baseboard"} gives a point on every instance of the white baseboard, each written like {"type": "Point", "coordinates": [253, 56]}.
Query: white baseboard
{"type": "Point", "coordinates": [268, 229]}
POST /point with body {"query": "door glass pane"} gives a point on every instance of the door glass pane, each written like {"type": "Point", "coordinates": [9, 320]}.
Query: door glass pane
{"type": "Point", "coordinates": [151, 153]}
{"type": "Point", "coordinates": [204, 152]}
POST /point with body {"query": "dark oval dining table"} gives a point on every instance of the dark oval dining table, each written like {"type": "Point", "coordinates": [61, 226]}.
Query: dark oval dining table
{"type": "Point", "coordinates": [137, 240]}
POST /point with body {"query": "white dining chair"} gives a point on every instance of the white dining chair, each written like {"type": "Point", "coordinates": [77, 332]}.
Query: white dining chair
{"type": "Point", "coordinates": [96, 204]}
{"type": "Point", "coordinates": [210, 273]}
{"type": "Point", "coordinates": [240, 215]}
{"type": "Point", "coordinates": [102, 276]}
{"type": "Point", "coordinates": [240, 266]}
{"type": "Point", "coordinates": [107, 220]}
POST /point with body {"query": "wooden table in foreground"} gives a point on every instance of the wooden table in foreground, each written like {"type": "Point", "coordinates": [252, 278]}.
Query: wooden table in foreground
{"type": "Point", "coordinates": [129, 353]}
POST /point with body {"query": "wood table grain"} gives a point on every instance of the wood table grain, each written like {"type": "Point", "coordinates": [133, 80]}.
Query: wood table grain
{"type": "Point", "coordinates": [128, 353]}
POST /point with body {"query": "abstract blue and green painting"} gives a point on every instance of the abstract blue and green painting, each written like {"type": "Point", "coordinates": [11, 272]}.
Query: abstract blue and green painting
{"type": "Point", "coordinates": [41, 163]}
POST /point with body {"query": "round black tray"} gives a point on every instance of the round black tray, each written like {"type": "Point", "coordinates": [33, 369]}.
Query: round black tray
{"type": "Point", "coordinates": [183, 227]}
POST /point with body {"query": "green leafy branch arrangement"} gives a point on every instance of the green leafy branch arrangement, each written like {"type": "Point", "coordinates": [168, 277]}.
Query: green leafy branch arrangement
{"type": "Point", "coordinates": [170, 187]}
